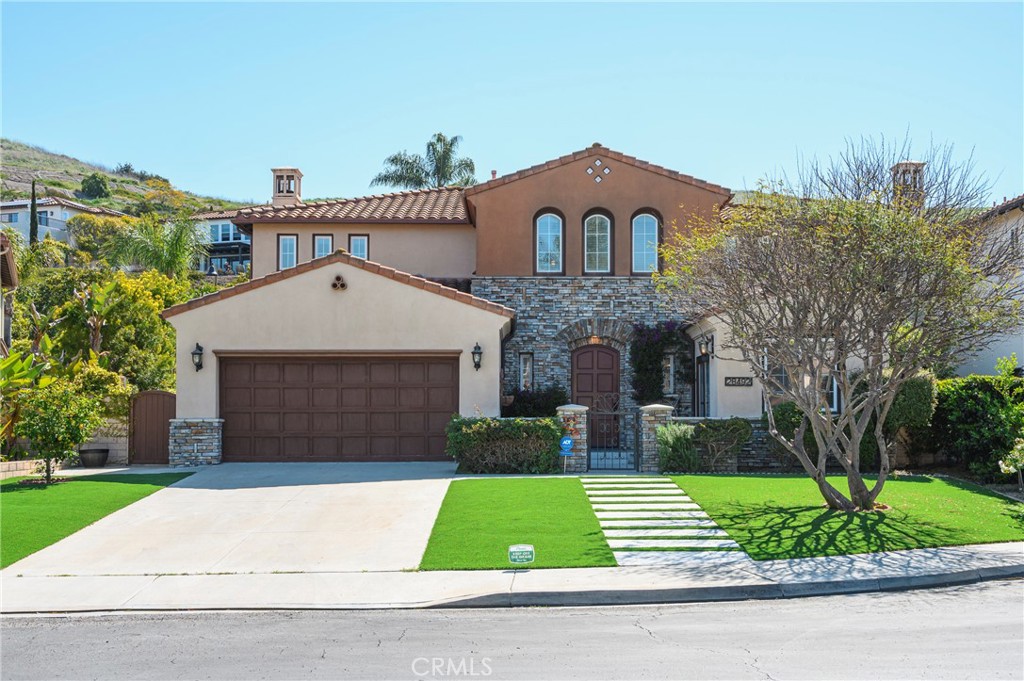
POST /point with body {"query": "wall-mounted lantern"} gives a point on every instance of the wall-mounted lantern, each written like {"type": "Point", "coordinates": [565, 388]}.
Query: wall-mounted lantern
{"type": "Point", "coordinates": [477, 356]}
{"type": "Point", "coordinates": [706, 345]}
{"type": "Point", "coordinates": [197, 357]}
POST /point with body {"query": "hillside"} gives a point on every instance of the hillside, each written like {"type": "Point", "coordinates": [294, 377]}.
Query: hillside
{"type": "Point", "coordinates": [60, 175]}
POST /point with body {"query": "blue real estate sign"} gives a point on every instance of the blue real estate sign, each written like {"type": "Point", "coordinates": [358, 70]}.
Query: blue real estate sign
{"type": "Point", "coordinates": [566, 445]}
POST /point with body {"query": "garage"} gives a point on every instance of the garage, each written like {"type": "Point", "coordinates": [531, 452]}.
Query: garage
{"type": "Point", "coordinates": [337, 408]}
{"type": "Point", "coordinates": [336, 359]}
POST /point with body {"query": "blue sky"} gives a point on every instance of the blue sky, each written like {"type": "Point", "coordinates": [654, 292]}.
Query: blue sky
{"type": "Point", "coordinates": [213, 95]}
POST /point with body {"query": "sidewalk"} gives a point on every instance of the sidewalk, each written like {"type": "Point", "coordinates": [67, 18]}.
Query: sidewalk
{"type": "Point", "coordinates": [710, 576]}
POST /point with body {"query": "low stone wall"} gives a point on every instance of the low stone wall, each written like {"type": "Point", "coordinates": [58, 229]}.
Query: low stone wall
{"type": "Point", "coordinates": [14, 469]}
{"type": "Point", "coordinates": [195, 442]}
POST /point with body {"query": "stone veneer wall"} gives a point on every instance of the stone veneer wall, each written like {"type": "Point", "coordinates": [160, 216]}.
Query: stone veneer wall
{"type": "Point", "coordinates": [195, 442]}
{"type": "Point", "coordinates": [556, 315]}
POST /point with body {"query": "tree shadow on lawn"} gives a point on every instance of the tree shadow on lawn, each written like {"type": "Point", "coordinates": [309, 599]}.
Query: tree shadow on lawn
{"type": "Point", "coordinates": [768, 531]}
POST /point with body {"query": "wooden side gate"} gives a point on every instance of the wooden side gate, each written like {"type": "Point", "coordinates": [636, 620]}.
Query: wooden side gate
{"type": "Point", "coordinates": [149, 432]}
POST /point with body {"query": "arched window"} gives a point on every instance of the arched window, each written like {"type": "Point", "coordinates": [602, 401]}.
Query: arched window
{"type": "Point", "coordinates": [597, 244]}
{"type": "Point", "coordinates": [549, 244]}
{"type": "Point", "coordinates": [645, 243]}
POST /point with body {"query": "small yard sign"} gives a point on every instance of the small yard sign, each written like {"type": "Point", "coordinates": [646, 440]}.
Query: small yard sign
{"type": "Point", "coordinates": [566, 446]}
{"type": "Point", "coordinates": [520, 553]}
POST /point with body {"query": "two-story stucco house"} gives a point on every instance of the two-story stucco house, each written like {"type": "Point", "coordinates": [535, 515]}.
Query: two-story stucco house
{"type": "Point", "coordinates": [370, 321]}
{"type": "Point", "coordinates": [229, 247]}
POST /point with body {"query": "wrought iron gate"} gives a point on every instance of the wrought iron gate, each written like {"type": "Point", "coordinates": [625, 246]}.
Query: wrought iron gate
{"type": "Point", "coordinates": [614, 435]}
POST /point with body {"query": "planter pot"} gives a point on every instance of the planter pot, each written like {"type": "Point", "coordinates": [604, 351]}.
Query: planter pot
{"type": "Point", "coordinates": [93, 458]}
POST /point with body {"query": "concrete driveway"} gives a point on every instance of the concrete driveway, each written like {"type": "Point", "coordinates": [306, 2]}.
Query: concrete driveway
{"type": "Point", "coordinates": [262, 518]}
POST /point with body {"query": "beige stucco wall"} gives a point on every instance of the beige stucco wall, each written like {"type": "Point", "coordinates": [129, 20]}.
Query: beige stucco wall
{"type": "Point", "coordinates": [984, 362]}
{"type": "Point", "coordinates": [442, 250]}
{"type": "Point", "coordinates": [303, 313]}
{"type": "Point", "coordinates": [727, 361]}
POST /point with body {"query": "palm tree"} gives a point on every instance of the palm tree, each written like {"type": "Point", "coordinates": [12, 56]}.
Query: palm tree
{"type": "Point", "coordinates": [439, 168]}
{"type": "Point", "coordinates": [172, 248]}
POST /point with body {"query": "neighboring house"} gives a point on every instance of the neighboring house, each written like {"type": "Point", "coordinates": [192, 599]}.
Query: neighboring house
{"type": "Point", "coordinates": [332, 356]}
{"type": "Point", "coordinates": [8, 282]}
{"type": "Point", "coordinates": [54, 213]}
{"type": "Point", "coordinates": [1006, 221]}
{"type": "Point", "coordinates": [229, 247]}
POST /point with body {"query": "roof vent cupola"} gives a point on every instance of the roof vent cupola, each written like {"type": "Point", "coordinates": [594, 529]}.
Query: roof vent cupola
{"type": "Point", "coordinates": [287, 186]}
{"type": "Point", "coordinates": [908, 182]}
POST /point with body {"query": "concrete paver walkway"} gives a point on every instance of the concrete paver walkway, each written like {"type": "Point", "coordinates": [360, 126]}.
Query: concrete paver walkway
{"type": "Point", "coordinates": [657, 532]}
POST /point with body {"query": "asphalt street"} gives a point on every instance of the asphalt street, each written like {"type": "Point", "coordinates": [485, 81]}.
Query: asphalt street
{"type": "Point", "coordinates": [968, 632]}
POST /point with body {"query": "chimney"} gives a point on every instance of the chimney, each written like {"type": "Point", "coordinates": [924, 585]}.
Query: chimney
{"type": "Point", "coordinates": [494, 174]}
{"type": "Point", "coordinates": [908, 182]}
{"type": "Point", "coordinates": [287, 186]}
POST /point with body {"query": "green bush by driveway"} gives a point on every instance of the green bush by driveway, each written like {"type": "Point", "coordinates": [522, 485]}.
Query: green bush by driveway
{"type": "Point", "coordinates": [479, 519]}
{"type": "Point", "coordinates": [516, 445]}
{"type": "Point", "coordinates": [33, 517]}
{"type": "Point", "coordinates": [783, 516]}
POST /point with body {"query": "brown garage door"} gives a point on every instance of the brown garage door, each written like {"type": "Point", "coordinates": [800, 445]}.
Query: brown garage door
{"type": "Point", "coordinates": [337, 408]}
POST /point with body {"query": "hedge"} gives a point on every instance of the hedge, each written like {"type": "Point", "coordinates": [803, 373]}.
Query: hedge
{"type": "Point", "coordinates": [977, 419]}
{"type": "Point", "coordinates": [534, 403]}
{"type": "Point", "coordinates": [677, 451]}
{"type": "Point", "coordinates": [515, 445]}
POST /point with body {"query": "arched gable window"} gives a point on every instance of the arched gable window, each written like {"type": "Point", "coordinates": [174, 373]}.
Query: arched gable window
{"type": "Point", "coordinates": [645, 243]}
{"type": "Point", "coordinates": [548, 243]}
{"type": "Point", "coordinates": [597, 244]}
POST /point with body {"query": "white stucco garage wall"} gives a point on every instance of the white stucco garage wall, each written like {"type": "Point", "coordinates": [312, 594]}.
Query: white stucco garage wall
{"type": "Point", "coordinates": [301, 312]}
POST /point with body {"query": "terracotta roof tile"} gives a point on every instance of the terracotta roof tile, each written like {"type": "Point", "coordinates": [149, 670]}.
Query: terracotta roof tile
{"type": "Point", "coordinates": [340, 256]}
{"type": "Point", "coordinates": [216, 214]}
{"type": "Point", "coordinates": [1004, 207]}
{"type": "Point", "coordinates": [441, 205]}
{"type": "Point", "coordinates": [596, 150]}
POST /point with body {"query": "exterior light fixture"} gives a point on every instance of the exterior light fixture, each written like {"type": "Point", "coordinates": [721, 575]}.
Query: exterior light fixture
{"type": "Point", "coordinates": [477, 356]}
{"type": "Point", "coordinates": [197, 357]}
{"type": "Point", "coordinates": [706, 346]}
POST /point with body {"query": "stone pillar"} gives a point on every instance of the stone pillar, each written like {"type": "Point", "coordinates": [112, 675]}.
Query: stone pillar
{"type": "Point", "coordinates": [574, 424]}
{"type": "Point", "coordinates": [652, 417]}
{"type": "Point", "coordinates": [195, 442]}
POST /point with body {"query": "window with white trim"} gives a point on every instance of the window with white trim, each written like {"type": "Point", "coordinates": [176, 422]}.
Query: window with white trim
{"type": "Point", "coordinates": [597, 244]}
{"type": "Point", "coordinates": [526, 371]}
{"type": "Point", "coordinates": [549, 243]}
{"type": "Point", "coordinates": [668, 373]}
{"type": "Point", "coordinates": [359, 246]}
{"type": "Point", "coordinates": [645, 243]}
{"type": "Point", "coordinates": [323, 245]}
{"type": "Point", "coordinates": [286, 251]}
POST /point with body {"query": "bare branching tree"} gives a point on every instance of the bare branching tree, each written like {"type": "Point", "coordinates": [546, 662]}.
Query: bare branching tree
{"type": "Point", "coordinates": [850, 282]}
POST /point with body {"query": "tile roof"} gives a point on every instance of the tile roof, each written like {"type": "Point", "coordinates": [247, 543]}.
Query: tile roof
{"type": "Point", "coordinates": [431, 206]}
{"type": "Point", "coordinates": [67, 203]}
{"type": "Point", "coordinates": [340, 256]}
{"type": "Point", "coordinates": [596, 150]}
{"type": "Point", "coordinates": [216, 214]}
{"type": "Point", "coordinates": [1005, 207]}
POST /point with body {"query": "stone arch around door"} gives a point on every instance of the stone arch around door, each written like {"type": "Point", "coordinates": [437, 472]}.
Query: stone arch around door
{"type": "Point", "coordinates": [613, 333]}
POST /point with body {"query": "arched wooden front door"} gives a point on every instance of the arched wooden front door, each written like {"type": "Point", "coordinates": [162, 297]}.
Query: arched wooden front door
{"type": "Point", "coordinates": [595, 384]}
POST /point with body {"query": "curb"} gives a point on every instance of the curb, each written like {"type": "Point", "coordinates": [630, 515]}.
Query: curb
{"type": "Point", "coordinates": [710, 594]}
{"type": "Point", "coordinates": [611, 597]}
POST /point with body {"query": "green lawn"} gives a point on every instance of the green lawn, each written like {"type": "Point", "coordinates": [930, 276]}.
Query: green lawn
{"type": "Point", "coordinates": [784, 516]}
{"type": "Point", "coordinates": [479, 519]}
{"type": "Point", "coordinates": [33, 517]}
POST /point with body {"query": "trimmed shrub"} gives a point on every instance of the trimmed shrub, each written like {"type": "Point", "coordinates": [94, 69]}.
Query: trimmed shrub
{"type": "Point", "coordinates": [677, 451]}
{"type": "Point", "coordinates": [534, 403]}
{"type": "Point", "coordinates": [516, 445]}
{"type": "Point", "coordinates": [722, 439]}
{"type": "Point", "coordinates": [977, 419]}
